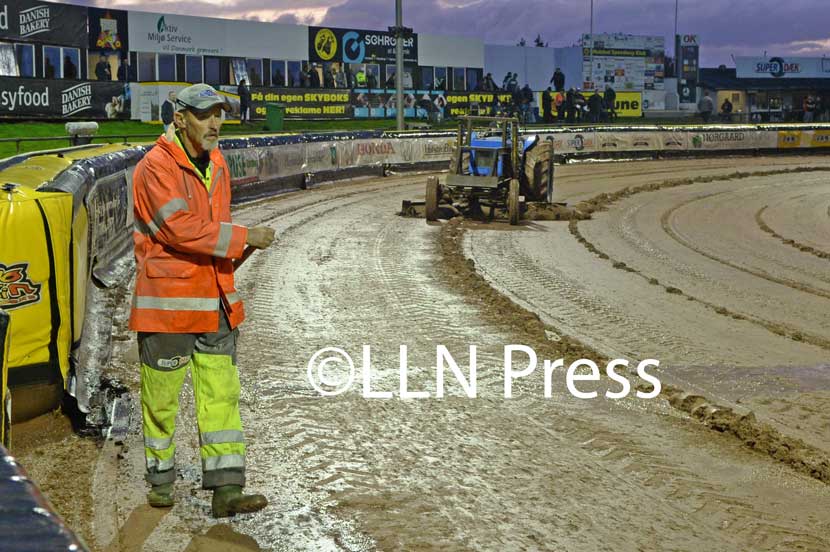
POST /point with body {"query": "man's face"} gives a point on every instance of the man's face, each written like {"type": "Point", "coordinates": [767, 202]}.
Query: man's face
{"type": "Point", "coordinates": [201, 128]}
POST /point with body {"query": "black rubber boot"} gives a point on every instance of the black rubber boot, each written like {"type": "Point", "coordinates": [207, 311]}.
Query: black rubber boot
{"type": "Point", "coordinates": [228, 500]}
{"type": "Point", "coordinates": [161, 496]}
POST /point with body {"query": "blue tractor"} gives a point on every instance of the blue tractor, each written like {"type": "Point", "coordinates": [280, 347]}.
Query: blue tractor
{"type": "Point", "coordinates": [492, 168]}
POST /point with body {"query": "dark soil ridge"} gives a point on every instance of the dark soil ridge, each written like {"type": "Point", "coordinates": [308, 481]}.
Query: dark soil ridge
{"type": "Point", "coordinates": [759, 219]}
{"type": "Point", "coordinates": [496, 307]}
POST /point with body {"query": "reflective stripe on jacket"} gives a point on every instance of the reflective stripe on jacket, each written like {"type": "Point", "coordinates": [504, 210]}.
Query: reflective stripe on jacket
{"type": "Point", "coordinates": [184, 243]}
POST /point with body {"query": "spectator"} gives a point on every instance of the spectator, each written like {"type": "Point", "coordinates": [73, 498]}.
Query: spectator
{"type": "Point", "coordinates": [340, 80]}
{"type": "Point", "coordinates": [570, 105]}
{"type": "Point", "coordinates": [527, 104]}
{"type": "Point", "coordinates": [488, 84]}
{"type": "Point", "coordinates": [595, 105]}
{"type": "Point", "coordinates": [705, 106]}
{"type": "Point", "coordinates": [513, 83]}
{"type": "Point", "coordinates": [558, 80]}
{"type": "Point", "coordinates": [103, 72]}
{"type": "Point", "coordinates": [809, 106]}
{"type": "Point", "coordinates": [580, 105]}
{"type": "Point", "coordinates": [547, 106]}
{"type": "Point", "coordinates": [372, 79]}
{"type": "Point", "coordinates": [390, 81]}
{"type": "Point", "coordinates": [559, 102]}
{"type": "Point", "coordinates": [314, 80]}
{"type": "Point", "coordinates": [244, 102]}
{"type": "Point", "coordinates": [360, 78]}
{"type": "Point", "coordinates": [517, 99]}
{"type": "Point", "coordinates": [328, 77]}
{"type": "Point", "coordinates": [167, 110]}
{"type": "Point", "coordinates": [495, 107]}
{"type": "Point", "coordinates": [70, 71]}
{"type": "Point", "coordinates": [49, 69]}
{"type": "Point", "coordinates": [726, 111]}
{"type": "Point", "coordinates": [506, 80]}
{"type": "Point", "coordinates": [610, 101]}
{"type": "Point", "coordinates": [123, 73]}
{"type": "Point", "coordinates": [277, 78]}
{"type": "Point", "coordinates": [305, 77]}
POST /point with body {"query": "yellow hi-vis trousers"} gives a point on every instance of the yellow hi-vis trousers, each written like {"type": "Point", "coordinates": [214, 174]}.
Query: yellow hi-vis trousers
{"type": "Point", "coordinates": [212, 358]}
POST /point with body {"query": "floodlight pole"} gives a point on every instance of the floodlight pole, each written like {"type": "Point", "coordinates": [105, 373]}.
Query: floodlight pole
{"type": "Point", "coordinates": [399, 38]}
{"type": "Point", "coordinates": [591, 57]}
{"type": "Point", "coordinates": [676, 11]}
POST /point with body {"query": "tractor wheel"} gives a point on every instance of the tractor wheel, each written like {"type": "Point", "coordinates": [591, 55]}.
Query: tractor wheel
{"type": "Point", "coordinates": [513, 202]}
{"type": "Point", "coordinates": [433, 195]}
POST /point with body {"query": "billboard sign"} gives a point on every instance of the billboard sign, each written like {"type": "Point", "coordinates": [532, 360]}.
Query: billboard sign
{"type": "Point", "coordinates": [108, 30]}
{"type": "Point", "coordinates": [58, 99]}
{"type": "Point", "coordinates": [625, 62]}
{"type": "Point", "coordinates": [778, 67]}
{"type": "Point", "coordinates": [57, 24]}
{"type": "Point", "coordinates": [357, 46]}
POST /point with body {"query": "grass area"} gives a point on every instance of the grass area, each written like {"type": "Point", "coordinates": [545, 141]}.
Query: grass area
{"type": "Point", "coordinates": [37, 129]}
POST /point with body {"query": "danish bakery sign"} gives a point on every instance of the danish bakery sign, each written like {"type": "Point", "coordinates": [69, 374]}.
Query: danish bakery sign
{"type": "Point", "coordinates": [778, 67]}
{"type": "Point", "coordinates": [58, 24]}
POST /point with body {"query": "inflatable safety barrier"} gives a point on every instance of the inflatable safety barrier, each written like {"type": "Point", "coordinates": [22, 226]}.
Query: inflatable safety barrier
{"type": "Point", "coordinates": [27, 520]}
{"type": "Point", "coordinates": [5, 397]}
{"type": "Point", "coordinates": [35, 292]}
{"type": "Point", "coordinates": [65, 223]}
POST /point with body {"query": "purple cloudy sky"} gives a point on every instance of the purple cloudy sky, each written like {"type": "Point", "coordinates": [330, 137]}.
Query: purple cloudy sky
{"type": "Point", "coordinates": [725, 27]}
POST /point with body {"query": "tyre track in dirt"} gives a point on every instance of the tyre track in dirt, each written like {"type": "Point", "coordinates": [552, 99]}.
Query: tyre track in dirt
{"type": "Point", "coordinates": [796, 409]}
{"type": "Point", "coordinates": [802, 217]}
{"type": "Point", "coordinates": [766, 296]}
{"type": "Point", "coordinates": [685, 222]}
{"type": "Point", "coordinates": [346, 473]}
{"type": "Point", "coordinates": [759, 219]}
{"type": "Point", "coordinates": [431, 474]}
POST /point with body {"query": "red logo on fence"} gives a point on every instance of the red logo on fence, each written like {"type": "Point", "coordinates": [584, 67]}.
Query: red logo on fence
{"type": "Point", "coordinates": [16, 289]}
{"type": "Point", "coordinates": [381, 148]}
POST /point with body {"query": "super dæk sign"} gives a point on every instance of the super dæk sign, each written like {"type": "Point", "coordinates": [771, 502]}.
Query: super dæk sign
{"type": "Point", "coordinates": [777, 67]}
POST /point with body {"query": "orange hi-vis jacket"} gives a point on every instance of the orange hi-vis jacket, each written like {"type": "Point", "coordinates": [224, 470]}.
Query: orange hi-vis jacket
{"type": "Point", "coordinates": [184, 243]}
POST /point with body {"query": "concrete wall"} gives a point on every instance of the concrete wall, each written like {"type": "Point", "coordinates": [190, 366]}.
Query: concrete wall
{"type": "Point", "coordinates": [535, 66]}
{"type": "Point", "coordinates": [450, 51]}
{"type": "Point", "coordinates": [569, 60]}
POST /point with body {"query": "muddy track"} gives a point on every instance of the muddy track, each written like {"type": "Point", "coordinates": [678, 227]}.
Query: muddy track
{"type": "Point", "coordinates": [456, 473]}
{"type": "Point", "coordinates": [411, 474]}
{"type": "Point", "coordinates": [642, 276]}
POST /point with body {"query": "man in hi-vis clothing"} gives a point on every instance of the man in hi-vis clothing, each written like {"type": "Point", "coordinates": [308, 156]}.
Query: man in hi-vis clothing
{"type": "Point", "coordinates": [185, 308]}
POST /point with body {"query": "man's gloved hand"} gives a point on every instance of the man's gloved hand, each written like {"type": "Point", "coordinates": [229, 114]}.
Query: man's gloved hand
{"type": "Point", "coordinates": [260, 236]}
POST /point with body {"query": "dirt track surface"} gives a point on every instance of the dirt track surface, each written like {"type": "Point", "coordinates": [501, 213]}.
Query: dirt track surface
{"type": "Point", "coordinates": [527, 473]}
